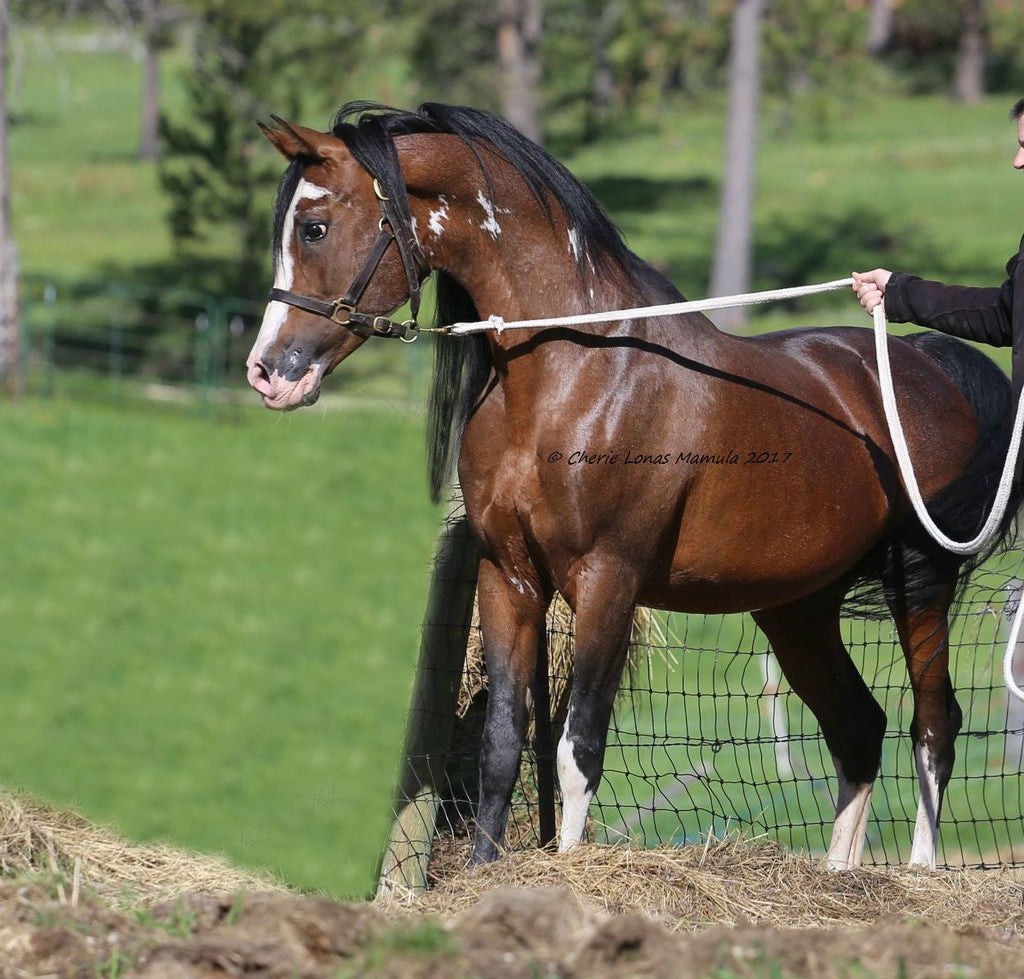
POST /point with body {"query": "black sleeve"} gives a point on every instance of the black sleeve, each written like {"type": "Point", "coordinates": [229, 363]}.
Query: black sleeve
{"type": "Point", "coordinates": [962, 311]}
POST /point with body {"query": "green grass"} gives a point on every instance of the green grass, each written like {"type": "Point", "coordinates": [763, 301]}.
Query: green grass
{"type": "Point", "coordinates": [209, 636]}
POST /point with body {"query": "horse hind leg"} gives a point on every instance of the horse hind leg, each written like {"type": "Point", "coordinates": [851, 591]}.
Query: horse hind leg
{"type": "Point", "coordinates": [805, 638]}
{"type": "Point", "coordinates": [924, 636]}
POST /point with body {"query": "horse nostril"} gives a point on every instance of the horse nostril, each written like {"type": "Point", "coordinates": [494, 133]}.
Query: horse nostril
{"type": "Point", "coordinates": [258, 376]}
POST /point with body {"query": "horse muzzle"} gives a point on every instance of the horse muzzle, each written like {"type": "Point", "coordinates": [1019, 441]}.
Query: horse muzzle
{"type": "Point", "coordinates": [292, 382]}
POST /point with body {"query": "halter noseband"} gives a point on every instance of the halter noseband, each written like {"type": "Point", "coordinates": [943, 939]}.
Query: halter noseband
{"type": "Point", "coordinates": [343, 311]}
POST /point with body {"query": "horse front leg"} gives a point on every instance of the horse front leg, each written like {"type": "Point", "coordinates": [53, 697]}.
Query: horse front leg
{"type": "Point", "coordinates": [924, 635]}
{"type": "Point", "coordinates": [604, 617]}
{"type": "Point", "coordinates": [512, 609]}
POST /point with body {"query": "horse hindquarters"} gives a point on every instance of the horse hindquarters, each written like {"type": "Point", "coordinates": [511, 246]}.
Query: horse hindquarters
{"type": "Point", "coordinates": [805, 638]}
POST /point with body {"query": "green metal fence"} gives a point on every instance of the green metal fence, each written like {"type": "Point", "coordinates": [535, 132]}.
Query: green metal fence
{"type": "Point", "coordinates": [106, 339]}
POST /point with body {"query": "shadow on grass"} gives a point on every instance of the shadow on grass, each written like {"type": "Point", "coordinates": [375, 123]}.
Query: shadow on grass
{"type": "Point", "coordinates": [620, 194]}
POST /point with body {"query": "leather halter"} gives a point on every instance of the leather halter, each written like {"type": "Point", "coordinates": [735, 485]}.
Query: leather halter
{"type": "Point", "coordinates": [343, 311]}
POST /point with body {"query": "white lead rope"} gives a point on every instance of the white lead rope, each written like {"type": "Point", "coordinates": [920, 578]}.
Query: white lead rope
{"type": "Point", "coordinates": [497, 324]}
{"type": "Point", "coordinates": [892, 417]}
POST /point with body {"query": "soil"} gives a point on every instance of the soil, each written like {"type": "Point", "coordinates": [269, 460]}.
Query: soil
{"type": "Point", "coordinates": [77, 901]}
{"type": "Point", "coordinates": [509, 933]}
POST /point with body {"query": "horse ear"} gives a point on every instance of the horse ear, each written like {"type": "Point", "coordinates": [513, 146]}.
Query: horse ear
{"type": "Point", "coordinates": [291, 141]}
{"type": "Point", "coordinates": [285, 141]}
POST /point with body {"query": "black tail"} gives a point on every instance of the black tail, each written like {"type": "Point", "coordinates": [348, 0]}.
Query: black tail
{"type": "Point", "coordinates": [915, 568]}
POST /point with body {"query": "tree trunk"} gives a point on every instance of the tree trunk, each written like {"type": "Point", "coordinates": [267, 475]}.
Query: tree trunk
{"type": "Point", "coordinates": [879, 26]}
{"type": "Point", "coordinates": [519, 33]}
{"type": "Point", "coordinates": [602, 84]}
{"type": "Point", "coordinates": [731, 272]}
{"type": "Point", "coordinates": [969, 84]}
{"type": "Point", "coordinates": [10, 328]}
{"type": "Point", "coordinates": [150, 119]}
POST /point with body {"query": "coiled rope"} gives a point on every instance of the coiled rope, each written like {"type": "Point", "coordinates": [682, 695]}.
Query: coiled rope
{"type": "Point", "coordinates": [892, 417]}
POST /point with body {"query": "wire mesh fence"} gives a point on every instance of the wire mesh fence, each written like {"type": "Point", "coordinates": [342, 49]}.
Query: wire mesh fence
{"type": "Point", "coordinates": [708, 738]}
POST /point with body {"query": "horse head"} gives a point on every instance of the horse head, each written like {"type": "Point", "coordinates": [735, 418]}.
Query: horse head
{"type": "Point", "coordinates": [344, 260]}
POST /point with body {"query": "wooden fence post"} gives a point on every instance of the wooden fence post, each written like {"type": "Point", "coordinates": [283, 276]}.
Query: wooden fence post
{"type": "Point", "coordinates": [432, 710]}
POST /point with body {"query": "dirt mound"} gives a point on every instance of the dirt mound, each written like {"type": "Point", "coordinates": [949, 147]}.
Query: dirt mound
{"type": "Point", "coordinates": [742, 910]}
{"type": "Point", "coordinates": [509, 934]}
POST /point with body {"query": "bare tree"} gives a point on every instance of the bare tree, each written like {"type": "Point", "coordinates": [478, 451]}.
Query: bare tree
{"type": "Point", "coordinates": [153, 20]}
{"type": "Point", "coordinates": [151, 45]}
{"type": "Point", "coordinates": [731, 272]}
{"type": "Point", "coordinates": [519, 34]}
{"type": "Point", "coordinates": [10, 329]}
{"type": "Point", "coordinates": [879, 26]}
{"type": "Point", "coordinates": [969, 83]}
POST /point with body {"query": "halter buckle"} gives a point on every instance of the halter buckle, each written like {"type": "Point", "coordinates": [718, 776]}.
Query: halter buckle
{"type": "Point", "coordinates": [338, 307]}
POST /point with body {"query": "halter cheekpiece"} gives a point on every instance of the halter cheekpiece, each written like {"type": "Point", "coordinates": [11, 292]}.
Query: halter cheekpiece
{"type": "Point", "coordinates": [343, 311]}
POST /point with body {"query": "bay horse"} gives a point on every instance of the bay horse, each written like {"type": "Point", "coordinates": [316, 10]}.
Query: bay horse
{"type": "Point", "coordinates": [654, 461]}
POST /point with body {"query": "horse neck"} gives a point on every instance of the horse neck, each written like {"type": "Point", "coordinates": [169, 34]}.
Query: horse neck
{"type": "Point", "coordinates": [513, 257]}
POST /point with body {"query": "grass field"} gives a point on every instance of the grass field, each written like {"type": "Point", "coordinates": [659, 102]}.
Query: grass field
{"type": "Point", "coordinates": [211, 626]}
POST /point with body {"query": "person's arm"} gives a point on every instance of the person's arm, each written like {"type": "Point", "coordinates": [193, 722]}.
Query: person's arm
{"type": "Point", "coordinates": [969, 312]}
{"type": "Point", "coordinates": [972, 313]}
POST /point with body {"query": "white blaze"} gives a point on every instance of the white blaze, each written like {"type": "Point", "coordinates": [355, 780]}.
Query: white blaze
{"type": "Point", "coordinates": [284, 271]}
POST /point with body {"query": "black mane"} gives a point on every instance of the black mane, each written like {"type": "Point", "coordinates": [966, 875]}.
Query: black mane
{"type": "Point", "coordinates": [369, 131]}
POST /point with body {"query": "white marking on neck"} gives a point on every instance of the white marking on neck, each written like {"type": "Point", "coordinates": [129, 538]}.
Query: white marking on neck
{"type": "Point", "coordinates": [922, 853]}
{"type": "Point", "coordinates": [574, 244]}
{"type": "Point", "coordinates": [284, 268]}
{"type": "Point", "coordinates": [438, 217]}
{"type": "Point", "coordinates": [575, 797]}
{"type": "Point", "coordinates": [490, 224]}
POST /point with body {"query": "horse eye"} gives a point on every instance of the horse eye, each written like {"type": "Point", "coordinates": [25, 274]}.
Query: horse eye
{"type": "Point", "coordinates": [313, 231]}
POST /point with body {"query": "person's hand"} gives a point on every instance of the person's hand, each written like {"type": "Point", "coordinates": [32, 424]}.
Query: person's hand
{"type": "Point", "coordinates": [870, 287]}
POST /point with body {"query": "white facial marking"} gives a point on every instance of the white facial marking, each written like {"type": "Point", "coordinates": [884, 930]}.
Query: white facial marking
{"type": "Point", "coordinates": [438, 217]}
{"type": "Point", "coordinates": [284, 271]}
{"type": "Point", "coordinates": [490, 224]}
{"type": "Point", "coordinates": [575, 797]}
{"type": "Point", "coordinates": [852, 807]}
{"type": "Point", "coordinates": [922, 853]}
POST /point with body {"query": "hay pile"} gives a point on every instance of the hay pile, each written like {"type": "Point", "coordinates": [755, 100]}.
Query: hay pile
{"type": "Point", "coordinates": [82, 858]}
{"type": "Point", "coordinates": [736, 882]}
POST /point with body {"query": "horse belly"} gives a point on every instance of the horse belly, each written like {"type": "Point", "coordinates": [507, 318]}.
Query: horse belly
{"type": "Point", "coordinates": [779, 537]}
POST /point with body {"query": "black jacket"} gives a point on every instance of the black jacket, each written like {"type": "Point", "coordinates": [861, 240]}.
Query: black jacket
{"type": "Point", "coordinates": [994, 316]}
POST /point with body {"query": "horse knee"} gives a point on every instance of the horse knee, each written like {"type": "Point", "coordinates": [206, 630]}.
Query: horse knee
{"type": "Point", "coordinates": [856, 742]}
